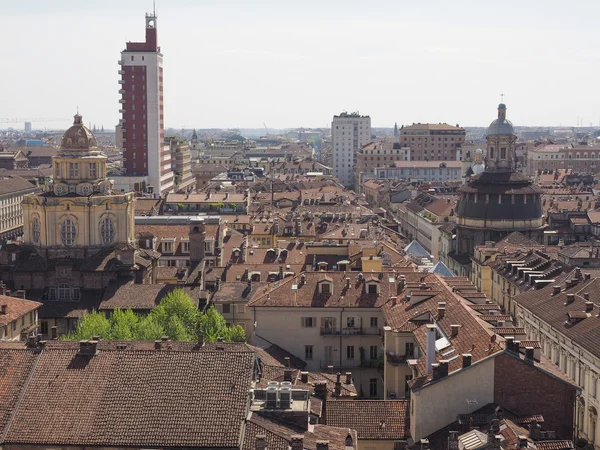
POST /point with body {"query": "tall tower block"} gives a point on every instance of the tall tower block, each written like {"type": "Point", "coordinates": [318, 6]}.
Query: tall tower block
{"type": "Point", "coordinates": [142, 117]}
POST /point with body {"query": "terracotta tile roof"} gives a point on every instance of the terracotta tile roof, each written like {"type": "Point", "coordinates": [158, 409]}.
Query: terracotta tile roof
{"type": "Point", "coordinates": [530, 419]}
{"type": "Point", "coordinates": [372, 419]}
{"type": "Point", "coordinates": [509, 331]}
{"type": "Point", "coordinates": [307, 294]}
{"type": "Point", "coordinates": [496, 317]}
{"type": "Point", "coordinates": [553, 309]}
{"type": "Point", "coordinates": [474, 335]}
{"type": "Point", "coordinates": [140, 296]}
{"type": "Point", "coordinates": [278, 434]}
{"type": "Point", "coordinates": [15, 308]}
{"type": "Point", "coordinates": [554, 445]}
{"type": "Point", "coordinates": [11, 184]}
{"type": "Point", "coordinates": [15, 366]}
{"type": "Point", "coordinates": [134, 398]}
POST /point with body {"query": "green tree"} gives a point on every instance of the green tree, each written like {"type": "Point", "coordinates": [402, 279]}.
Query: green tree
{"type": "Point", "coordinates": [149, 329]}
{"type": "Point", "coordinates": [90, 325]}
{"type": "Point", "coordinates": [234, 333]}
{"type": "Point", "coordinates": [178, 315]}
{"type": "Point", "coordinates": [124, 325]}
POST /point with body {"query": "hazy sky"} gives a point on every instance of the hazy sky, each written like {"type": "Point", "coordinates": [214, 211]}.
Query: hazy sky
{"type": "Point", "coordinates": [239, 63]}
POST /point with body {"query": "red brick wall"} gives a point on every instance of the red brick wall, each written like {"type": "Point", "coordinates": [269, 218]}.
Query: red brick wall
{"type": "Point", "coordinates": [523, 389]}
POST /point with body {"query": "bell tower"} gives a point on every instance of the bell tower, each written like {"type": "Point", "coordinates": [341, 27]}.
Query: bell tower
{"type": "Point", "coordinates": [501, 144]}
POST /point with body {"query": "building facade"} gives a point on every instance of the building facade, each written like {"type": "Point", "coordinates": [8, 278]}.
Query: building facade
{"type": "Point", "coordinates": [12, 190]}
{"type": "Point", "coordinates": [579, 158]}
{"type": "Point", "coordinates": [142, 124]}
{"type": "Point", "coordinates": [349, 133]}
{"type": "Point", "coordinates": [382, 153]}
{"type": "Point", "coordinates": [432, 142]}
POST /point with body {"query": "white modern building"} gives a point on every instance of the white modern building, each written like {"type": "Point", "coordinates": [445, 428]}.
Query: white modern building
{"type": "Point", "coordinates": [349, 132]}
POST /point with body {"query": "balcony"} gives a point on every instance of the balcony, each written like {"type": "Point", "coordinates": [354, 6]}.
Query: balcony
{"type": "Point", "coordinates": [121, 72]}
{"type": "Point", "coordinates": [122, 111]}
{"type": "Point", "coordinates": [350, 331]}
{"type": "Point", "coordinates": [121, 81]}
{"type": "Point", "coordinates": [122, 100]}
{"type": "Point", "coordinates": [121, 91]}
{"type": "Point", "coordinates": [120, 62]}
{"type": "Point", "coordinates": [349, 364]}
{"type": "Point", "coordinates": [123, 140]}
{"type": "Point", "coordinates": [395, 359]}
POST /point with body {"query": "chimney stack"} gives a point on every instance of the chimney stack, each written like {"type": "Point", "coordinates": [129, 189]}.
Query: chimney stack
{"type": "Point", "coordinates": [510, 343]}
{"type": "Point", "coordinates": [337, 391]}
{"type": "Point", "coordinates": [570, 298]}
{"type": "Point", "coordinates": [88, 348]}
{"type": "Point", "coordinates": [555, 290]}
{"type": "Point", "coordinates": [304, 377]}
{"type": "Point", "coordinates": [322, 445]}
{"type": "Point", "coordinates": [320, 388]}
{"type": "Point", "coordinates": [529, 354]}
{"type": "Point", "coordinates": [157, 345]}
{"type": "Point", "coordinates": [588, 276]}
{"type": "Point", "coordinates": [430, 355]}
{"type": "Point", "coordinates": [394, 300]}
{"type": "Point", "coordinates": [260, 442]}
{"type": "Point", "coordinates": [441, 310]}
{"type": "Point", "coordinates": [348, 377]}
{"type": "Point", "coordinates": [589, 306]}
{"type": "Point", "coordinates": [54, 332]}
{"type": "Point", "coordinates": [535, 431]}
{"type": "Point", "coordinates": [297, 442]}
{"type": "Point", "coordinates": [287, 375]}
{"type": "Point", "coordinates": [330, 370]}
{"type": "Point", "coordinates": [454, 330]}
{"type": "Point", "coordinates": [288, 361]}
{"type": "Point", "coordinates": [424, 444]}
{"type": "Point", "coordinates": [31, 341]}
{"type": "Point", "coordinates": [466, 360]}
{"type": "Point", "coordinates": [586, 295]}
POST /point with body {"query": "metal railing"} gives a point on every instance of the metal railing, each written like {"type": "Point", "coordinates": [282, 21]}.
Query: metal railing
{"type": "Point", "coordinates": [350, 331]}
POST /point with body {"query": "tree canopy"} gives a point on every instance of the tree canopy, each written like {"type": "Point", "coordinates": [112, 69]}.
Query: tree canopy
{"type": "Point", "coordinates": [176, 316]}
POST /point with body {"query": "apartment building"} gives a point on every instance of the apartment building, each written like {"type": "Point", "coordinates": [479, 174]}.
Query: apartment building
{"type": "Point", "coordinates": [328, 319]}
{"type": "Point", "coordinates": [381, 153]}
{"type": "Point", "coordinates": [18, 317]}
{"type": "Point", "coordinates": [349, 133]}
{"type": "Point", "coordinates": [431, 141]}
{"type": "Point", "coordinates": [12, 191]}
{"type": "Point", "coordinates": [579, 158]}
{"type": "Point", "coordinates": [565, 320]}
{"type": "Point", "coordinates": [449, 361]}
{"type": "Point", "coordinates": [421, 171]}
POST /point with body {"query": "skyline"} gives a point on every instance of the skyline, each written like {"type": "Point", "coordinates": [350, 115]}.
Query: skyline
{"type": "Point", "coordinates": [225, 69]}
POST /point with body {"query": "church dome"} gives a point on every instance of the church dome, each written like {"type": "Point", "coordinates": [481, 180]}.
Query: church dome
{"type": "Point", "coordinates": [501, 126]}
{"type": "Point", "coordinates": [78, 137]}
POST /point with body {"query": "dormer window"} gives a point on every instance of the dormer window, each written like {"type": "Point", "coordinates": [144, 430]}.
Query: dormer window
{"type": "Point", "coordinates": [326, 286]}
{"type": "Point", "coordinates": [372, 287]}
{"type": "Point", "coordinates": [322, 266]}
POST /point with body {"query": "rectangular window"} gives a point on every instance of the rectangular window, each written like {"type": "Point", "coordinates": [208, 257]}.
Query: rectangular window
{"type": "Point", "coordinates": [226, 308]}
{"type": "Point", "coordinates": [185, 247]}
{"type": "Point", "coordinates": [44, 327]}
{"type": "Point", "coordinates": [57, 169]}
{"type": "Point", "coordinates": [409, 349]}
{"type": "Point", "coordinates": [350, 352]}
{"type": "Point", "coordinates": [308, 352]}
{"type": "Point", "coordinates": [373, 387]}
{"type": "Point", "coordinates": [308, 322]}
{"type": "Point", "coordinates": [350, 322]}
{"type": "Point", "coordinates": [373, 322]}
{"type": "Point", "coordinates": [93, 170]}
{"type": "Point", "coordinates": [73, 170]}
{"type": "Point", "coordinates": [373, 352]}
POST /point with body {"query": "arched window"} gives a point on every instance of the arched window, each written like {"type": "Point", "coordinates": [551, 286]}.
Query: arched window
{"type": "Point", "coordinates": [107, 231]}
{"type": "Point", "coordinates": [593, 155]}
{"type": "Point", "coordinates": [576, 155]}
{"type": "Point", "coordinates": [35, 230]}
{"type": "Point", "coordinates": [570, 156]}
{"type": "Point", "coordinates": [68, 232]}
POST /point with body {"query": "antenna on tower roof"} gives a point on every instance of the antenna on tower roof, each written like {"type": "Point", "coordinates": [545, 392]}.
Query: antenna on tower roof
{"type": "Point", "coordinates": [154, 7]}
{"type": "Point", "coordinates": [501, 98]}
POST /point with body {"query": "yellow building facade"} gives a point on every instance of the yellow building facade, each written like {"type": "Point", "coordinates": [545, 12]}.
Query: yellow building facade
{"type": "Point", "coordinates": [79, 214]}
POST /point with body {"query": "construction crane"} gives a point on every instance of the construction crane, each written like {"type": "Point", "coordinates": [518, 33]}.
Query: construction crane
{"type": "Point", "coordinates": [266, 130]}
{"type": "Point", "coordinates": [34, 120]}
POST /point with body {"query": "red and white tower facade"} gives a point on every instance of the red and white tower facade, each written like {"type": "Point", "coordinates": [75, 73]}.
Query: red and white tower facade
{"type": "Point", "coordinates": [142, 122]}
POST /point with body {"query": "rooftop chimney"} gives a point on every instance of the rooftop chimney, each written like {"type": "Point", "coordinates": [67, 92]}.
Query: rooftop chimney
{"type": "Point", "coordinates": [322, 445]}
{"type": "Point", "coordinates": [288, 361]}
{"type": "Point", "coordinates": [338, 385]}
{"type": "Point", "coordinates": [260, 442]}
{"type": "Point", "coordinates": [430, 355]}
{"type": "Point", "coordinates": [589, 306]}
{"type": "Point", "coordinates": [570, 298]}
{"type": "Point", "coordinates": [588, 275]}
{"type": "Point", "coordinates": [88, 348]}
{"type": "Point", "coordinates": [529, 354]}
{"type": "Point", "coordinates": [578, 273]}
{"type": "Point", "coordinates": [441, 309]}
{"type": "Point", "coordinates": [454, 330]}
{"type": "Point", "coordinates": [297, 442]}
{"type": "Point", "coordinates": [510, 343]}
{"type": "Point", "coordinates": [157, 345]}
{"type": "Point", "coordinates": [31, 341]}
{"type": "Point", "coordinates": [424, 444]}
{"type": "Point", "coordinates": [466, 360]}
{"type": "Point", "coordinates": [555, 290]}
{"type": "Point", "coordinates": [522, 441]}
{"type": "Point", "coordinates": [330, 369]}
{"type": "Point", "coordinates": [54, 332]}
{"type": "Point", "coordinates": [348, 377]}
{"type": "Point", "coordinates": [535, 431]}
{"type": "Point", "coordinates": [304, 377]}
{"type": "Point", "coordinates": [586, 295]}
{"type": "Point", "coordinates": [287, 375]}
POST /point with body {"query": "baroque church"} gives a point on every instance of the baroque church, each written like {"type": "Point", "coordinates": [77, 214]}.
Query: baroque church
{"type": "Point", "coordinates": [79, 235]}
{"type": "Point", "coordinates": [498, 199]}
